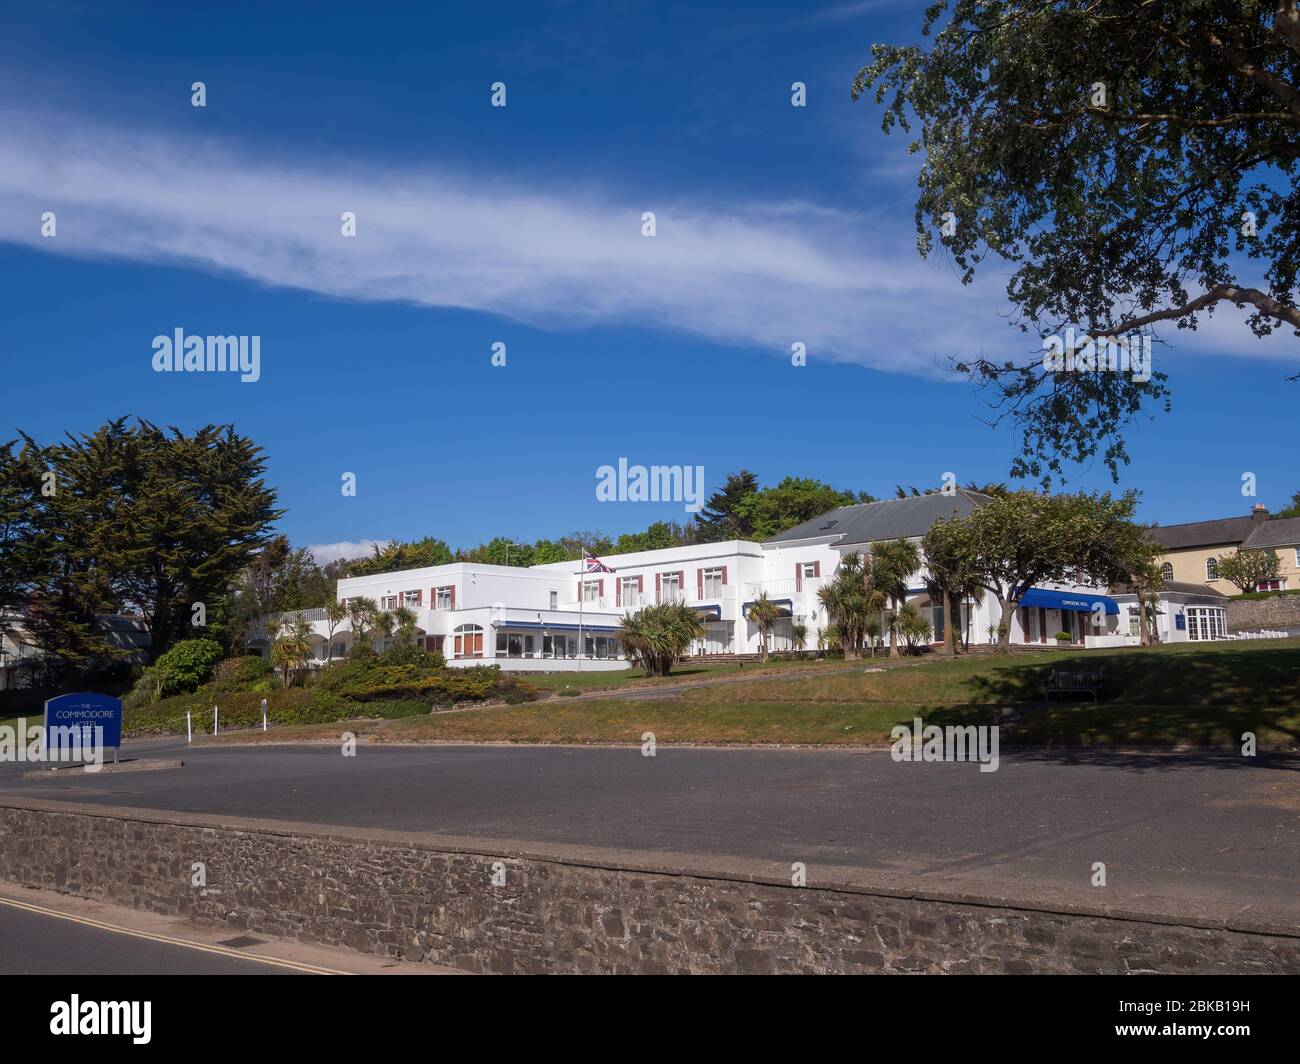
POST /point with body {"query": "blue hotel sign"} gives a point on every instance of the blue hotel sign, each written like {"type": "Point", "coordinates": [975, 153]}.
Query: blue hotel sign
{"type": "Point", "coordinates": [85, 711]}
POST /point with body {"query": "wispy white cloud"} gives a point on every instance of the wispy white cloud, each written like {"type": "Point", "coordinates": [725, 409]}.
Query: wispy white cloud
{"type": "Point", "coordinates": [325, 553]}
{"type": "Point", "coordinates": [765, 274]}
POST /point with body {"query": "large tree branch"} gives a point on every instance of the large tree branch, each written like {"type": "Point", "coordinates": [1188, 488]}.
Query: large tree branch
{"type": "Point", "coordinates": [1286, 24]}
{"type": "Point", "coordinates": [1261, 301]}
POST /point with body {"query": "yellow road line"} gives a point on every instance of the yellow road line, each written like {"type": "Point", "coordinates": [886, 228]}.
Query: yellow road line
{"type": "Point", "coordinates": [203, 947]}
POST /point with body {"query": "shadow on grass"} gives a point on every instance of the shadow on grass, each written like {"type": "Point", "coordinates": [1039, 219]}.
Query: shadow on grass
{"type": "Point", "coordinates": [1077, 733]}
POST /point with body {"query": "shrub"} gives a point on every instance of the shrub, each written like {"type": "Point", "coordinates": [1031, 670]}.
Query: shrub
{"type": "Point", "coordinates": [244, 674]}
{"type": "Point", "coordinates": [184, 668]}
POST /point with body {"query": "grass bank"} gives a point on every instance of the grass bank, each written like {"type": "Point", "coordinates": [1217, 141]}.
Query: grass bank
{"type": "Point", "coordinates": [1163, 697]}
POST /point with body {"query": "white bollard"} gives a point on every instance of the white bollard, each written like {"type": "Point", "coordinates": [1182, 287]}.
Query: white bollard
{"type": "Point", "coordinates": [189, 728]}
{"type": "Point", "coordinates": [264, 714]}
{"type": "Point", "coordinates": [215, 722]}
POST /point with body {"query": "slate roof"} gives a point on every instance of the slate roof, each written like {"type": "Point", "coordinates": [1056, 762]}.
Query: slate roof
{"type": "Point", "coordinates": [887, 519]}
{"type": "Point", "coordinates": [1281, 532]}
{"type": "Point", "coordinates": [1204, 533]}
{"type": "Point", "coordinates": [1181, 587]}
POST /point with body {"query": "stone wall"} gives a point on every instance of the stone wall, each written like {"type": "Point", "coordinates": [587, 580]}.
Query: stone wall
{"type": "Point", "coordinates": [395, 895]}
{"type": "Point", "coordinates": [1280, 611]}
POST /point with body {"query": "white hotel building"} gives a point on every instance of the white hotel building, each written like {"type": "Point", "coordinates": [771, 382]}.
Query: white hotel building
{"type": "Point", "coordinates": [554, 618]}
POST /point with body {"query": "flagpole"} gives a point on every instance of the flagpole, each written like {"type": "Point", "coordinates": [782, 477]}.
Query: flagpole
{"type": "Point", "coordinates": [582, 594]}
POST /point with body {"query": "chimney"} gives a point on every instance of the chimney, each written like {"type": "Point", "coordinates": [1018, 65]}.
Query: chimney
{"type": "Point", "coordinates": [1259, 512]}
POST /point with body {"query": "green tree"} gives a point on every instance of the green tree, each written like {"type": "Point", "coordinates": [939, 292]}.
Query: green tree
{"type": "Point", "coordinates": [1024, 538]}
{"type": "Point", "coordinates": [1291, 510]}
{"type": "Point", "coordinates": [892, 563]}
{"type": "Point", "coordinates": [763, 614]}
{"type": "Point", "coordinates": [361, 621]}
{"type": "Point", "coordinates": [850, 603]}
{"type": "Point", "coordinates": [659, 536]}
{"type": "Point", "coordinates": [1247, 568]}
{"type": "Point", "coordinates": [335, 614]}
{"type": "Point", "coordinates": [914, 628]}
{"type": "Point", "coordinates": [657, 636]}
{"type": "Point", "coordinates": [795, 500]}
{"type": "Point", "coordinates": [951, 579]}
{"type": "Point", "coordinates": [719, 520]}
{"type": "Point", "coordinates": [1134, 163]}
{"type": "Point", "coordinates": [395, 556]}
{"type": "Point", "coordinates": [799, 636]}
{"type": "Point", "coordinates": [292, 651]}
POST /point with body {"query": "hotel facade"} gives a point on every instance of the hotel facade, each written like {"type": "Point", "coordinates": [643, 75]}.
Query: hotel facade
{"type": "Point", "coordinates": [555, 617]}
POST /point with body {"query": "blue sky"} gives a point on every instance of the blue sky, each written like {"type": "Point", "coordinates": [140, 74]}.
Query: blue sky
{"type": "Point", "coordinates": [522, 225]}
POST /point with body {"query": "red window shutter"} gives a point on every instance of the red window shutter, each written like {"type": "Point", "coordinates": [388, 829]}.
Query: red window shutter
{"type": "Point", "coordinates": [658, 588]}
{"type": "Point", "coordinates": [817, 568]}
{"type": "Point", "coordinates": [724, 575]}
{"type": "Point", "coordinates": [699, 583]}
{"type": "Point", "coordinates": [602, 587]}
{"type": "Point", "coordinates": [618, 592]}
{"type": "Point", "coordinates": [640, 584]}
{"type": "Point", "coordinates": [798, 576]}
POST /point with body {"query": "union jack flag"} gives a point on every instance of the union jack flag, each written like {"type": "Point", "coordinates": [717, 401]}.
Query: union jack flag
{"type": "Point", "coordinates": [593, 564]}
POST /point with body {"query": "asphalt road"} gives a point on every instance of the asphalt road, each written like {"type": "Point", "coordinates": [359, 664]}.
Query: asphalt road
{"type": "Point", "coordinates": [36, 944]}
{"type": "Point", "coordinates": [1216, 830]}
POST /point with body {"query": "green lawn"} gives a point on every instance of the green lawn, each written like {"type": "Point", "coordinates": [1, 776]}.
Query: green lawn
{"type": "Point", "coordinates": [1185, 696]}
{"type": "Point", "coordinates": [582, 682]}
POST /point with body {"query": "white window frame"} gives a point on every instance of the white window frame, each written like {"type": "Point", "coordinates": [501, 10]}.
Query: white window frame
{"type": "Point", "coordinates": [442, 598]}
{"type": "Point", "coordinates": [712, 582]}
{"type": "Point", "coordinates": [1211, 574]}
{"type": "Point", "coordinates": [591, 591]}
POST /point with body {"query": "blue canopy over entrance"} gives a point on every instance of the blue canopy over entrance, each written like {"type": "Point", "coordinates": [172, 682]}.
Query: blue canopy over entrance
{"type": "Point", "coordinates": [1068, 600]}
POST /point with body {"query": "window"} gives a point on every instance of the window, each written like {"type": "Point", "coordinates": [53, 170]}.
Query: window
{"type": "Point", "coordinates": [1270, 585]}
{"type": "Point", "coordinates": [1211, 568]}
{"type": "Point", "coordinates": [809, 569]}
{"type": "Point", "coordinates": [1206, 622]}
{"type": "Point", "coordinates": [469, 641]}
{"type": "Point", "coordinates": [444, 598]}
{"type": "Point", "coordinates": [591, 591]}
{"type": "Point", "coordinates": [1166, 572]}
{"type": "Point", "coordinates": [412, 599]}
{"type": "Point", "coordinates": [388, 602]}
{"type": "Point", "coordinates": [1297, 557]}
{"type": "Point", "coordinates": [554, 602]}
{"type": "Point", "coordinates": [712, 583]}
{"type": "Point", "coordinates": [630, 590]}
{"type": "Point", "coordinates": [1134, 624]}
{"type": "Point", "coordinates": [670, 587]}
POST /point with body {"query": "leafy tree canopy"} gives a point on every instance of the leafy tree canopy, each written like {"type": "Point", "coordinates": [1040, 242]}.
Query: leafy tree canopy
{"type": "Point", "coordinates": [1134, 163]}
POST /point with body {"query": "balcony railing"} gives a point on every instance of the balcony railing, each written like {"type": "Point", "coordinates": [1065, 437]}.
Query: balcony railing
{"type": "Point", "coordinates": [784, 588]}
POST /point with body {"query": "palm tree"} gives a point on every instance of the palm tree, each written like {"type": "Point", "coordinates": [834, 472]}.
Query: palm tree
{"type": "Point", "coordinates": [335, 614]}
{"type": "Point", "coordinates": [404, 620]}
{"type": "Point", "coordinates": [658, 635]}
{"type": "Point", "coordinates": [799, 637]}
{"type": "Point", "coordinates": [763, 614]}
{"type": "Point", "coordinates": [892, 562]}
{"type": "Point", "coordinates": [292, 650]}
{"type": "Point", "coordinates": [849, 599]}
{"type": "Point", "coordinates": [913, 627]}
{"type": "Point", "coordinates": [361, 616]}
{"type": "Point", "coordinates": [872, 631]}
{"type": "Point", "coordinates": [384, 625]}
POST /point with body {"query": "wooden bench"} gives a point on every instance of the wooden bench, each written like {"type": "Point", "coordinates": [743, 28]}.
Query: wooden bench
{"type": "Point", "coordinates": [1074, 681]}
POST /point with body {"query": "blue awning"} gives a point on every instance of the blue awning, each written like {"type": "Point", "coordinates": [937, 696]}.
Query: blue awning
{"type": "Point", "coordinates": [786, 604]}
{"type": "Point", "coordinates": [1078, 601]}
{"type": "Point", "coordinates": [566, 627]}
{"type": "Point", "coordinates": [712, 612]}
